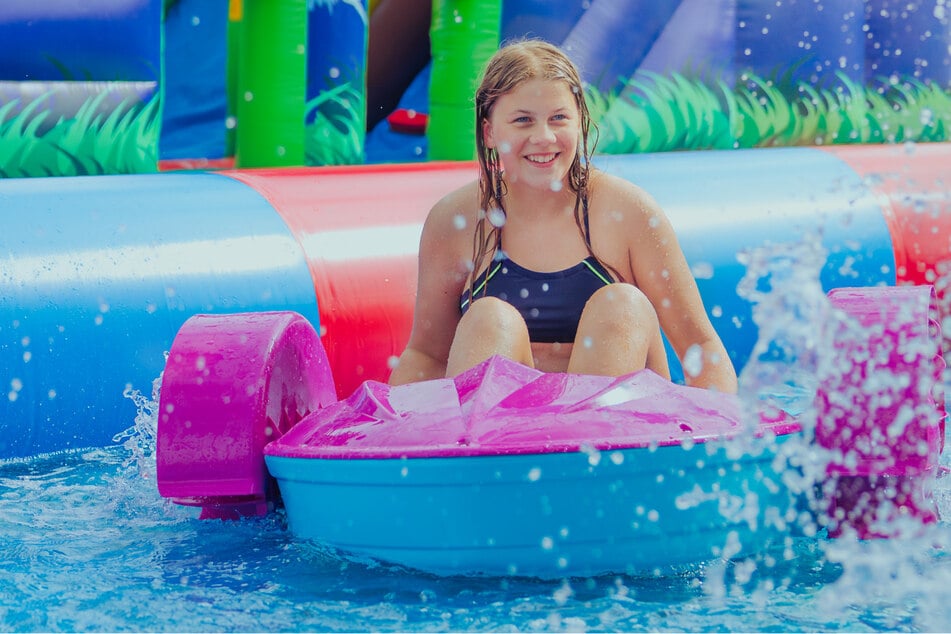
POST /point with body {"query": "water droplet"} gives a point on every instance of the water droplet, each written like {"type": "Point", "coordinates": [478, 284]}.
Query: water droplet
{"type": "Point", "coordinates": [496, 217]}
{"type": "Point", "coordinates": [702, 271]}
{"type": "Point", "coordinates": [693, 360]}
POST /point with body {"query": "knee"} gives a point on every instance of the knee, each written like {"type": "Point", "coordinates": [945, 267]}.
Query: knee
{"type": "Point", "coordinates": [621, 307]}
{"type": "Point", "coordinates": [490, 317]}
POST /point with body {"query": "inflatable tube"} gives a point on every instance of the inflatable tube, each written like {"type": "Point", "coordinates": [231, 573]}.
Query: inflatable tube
{"type": "Point", "coordinates": [99, 273]}
{"type": "Point", "coordinates": [507, 470]}
{"type": "Point", "coordinates": [913, 186]}
{"type": "Point", "coordinates": [361, 246]}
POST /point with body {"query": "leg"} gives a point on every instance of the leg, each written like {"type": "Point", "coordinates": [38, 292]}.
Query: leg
{"type": "Point", "coordinates": [618, 334]}
{"type": "Point", "coordinates": [490, 326]}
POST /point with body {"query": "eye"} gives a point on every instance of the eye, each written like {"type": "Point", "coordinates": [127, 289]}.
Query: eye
{"type": "Point", "coordinates": [523, 119]}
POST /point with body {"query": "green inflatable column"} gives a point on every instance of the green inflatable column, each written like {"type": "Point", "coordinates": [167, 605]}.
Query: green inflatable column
{"type": "Point", "coordinates": [272, 83]}
{"type": "Point", "coordinates": [464, 35]}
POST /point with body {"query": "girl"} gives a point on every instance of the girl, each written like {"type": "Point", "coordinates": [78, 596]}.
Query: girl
{"type": "Point", "coordinates": [546, 260]}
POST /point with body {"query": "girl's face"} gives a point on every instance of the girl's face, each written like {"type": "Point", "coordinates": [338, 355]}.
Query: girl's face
{"type": "Point", "coordinates": [535, 128]}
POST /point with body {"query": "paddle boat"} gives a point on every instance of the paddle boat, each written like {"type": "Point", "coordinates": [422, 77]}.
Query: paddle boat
{"type": "Point", "coordinates": [504, 470]}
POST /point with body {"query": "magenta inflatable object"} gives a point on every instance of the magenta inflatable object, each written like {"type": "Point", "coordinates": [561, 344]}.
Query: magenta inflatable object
{"type": "Point", "coordinates": [878, 412]}
{"type": "Point", "coordinates": [232, 384]}
{"type": "Point", "coordinates": [501, 407]}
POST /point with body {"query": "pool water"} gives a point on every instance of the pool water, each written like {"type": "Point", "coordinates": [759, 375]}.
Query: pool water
{"type": "Point", "coordinates": [88, 544]}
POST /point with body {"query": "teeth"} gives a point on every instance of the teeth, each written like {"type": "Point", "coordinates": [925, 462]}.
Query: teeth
{"type": "Point", "coordinates": [541, 158]}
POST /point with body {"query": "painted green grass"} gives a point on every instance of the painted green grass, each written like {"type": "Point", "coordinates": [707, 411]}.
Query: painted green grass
{"type": "Point", "coordinates": [658, 113]}
{"type": "Point", "coordinates": [337, 134]}
{"type": "Point", "coordinates": [124, 141]}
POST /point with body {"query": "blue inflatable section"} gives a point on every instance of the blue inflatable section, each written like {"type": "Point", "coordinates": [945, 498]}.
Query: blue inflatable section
{"type": "Point", "coordinates": [98, 275]}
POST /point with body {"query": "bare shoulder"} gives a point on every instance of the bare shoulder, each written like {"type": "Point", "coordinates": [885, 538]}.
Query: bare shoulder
{"type": "Point", "coordinates": [455, 211]}
{"type": "Point", "coordinates": [615, 199]}
{"type": "Point", "coordinates": [447, 232]}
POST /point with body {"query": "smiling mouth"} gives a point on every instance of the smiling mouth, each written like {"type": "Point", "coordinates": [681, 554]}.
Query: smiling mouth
{"type": "Point", "coordinates": [541, 159]}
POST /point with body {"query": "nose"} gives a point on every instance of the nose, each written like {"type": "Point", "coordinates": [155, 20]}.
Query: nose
{"type": "Point", "coordinates": [543, 133]}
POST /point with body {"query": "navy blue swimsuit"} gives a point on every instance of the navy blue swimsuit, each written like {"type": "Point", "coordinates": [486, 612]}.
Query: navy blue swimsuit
{"type": "Point", "coordinates": [550, 303]}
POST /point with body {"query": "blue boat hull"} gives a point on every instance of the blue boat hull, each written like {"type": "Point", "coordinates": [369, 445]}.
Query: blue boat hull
{"type": "Point", "coordinates": [634, 511]}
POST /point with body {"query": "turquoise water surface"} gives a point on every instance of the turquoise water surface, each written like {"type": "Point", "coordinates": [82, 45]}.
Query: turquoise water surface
{"type": "Point", "coordinates": [88, 545]}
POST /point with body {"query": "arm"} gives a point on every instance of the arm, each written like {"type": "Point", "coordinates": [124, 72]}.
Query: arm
{"type": "Point", "coordinates": [660, 270]}
{"type": "Point", "coordinates": [441, 276]}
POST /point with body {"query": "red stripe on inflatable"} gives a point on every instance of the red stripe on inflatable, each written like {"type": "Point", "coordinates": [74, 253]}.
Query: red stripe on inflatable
{"type": "Point", "coordinates": [359, 230]}
{"type": "Point", "coordinates": [914, 182]}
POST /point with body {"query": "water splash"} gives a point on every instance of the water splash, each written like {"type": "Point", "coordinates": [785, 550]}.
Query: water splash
{"type": "Point", "coordinates": [881, 583]}
{"type": "Point", "coordinates": [139, 440]}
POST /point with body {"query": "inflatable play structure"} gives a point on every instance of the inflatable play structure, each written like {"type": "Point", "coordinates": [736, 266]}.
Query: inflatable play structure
{"type": "Point", "coordinates": [129, 86]}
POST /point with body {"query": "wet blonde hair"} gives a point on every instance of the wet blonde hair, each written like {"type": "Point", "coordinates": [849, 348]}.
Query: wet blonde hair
{"type": "Point", "coordinates": [511, 66]}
